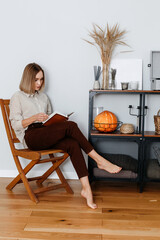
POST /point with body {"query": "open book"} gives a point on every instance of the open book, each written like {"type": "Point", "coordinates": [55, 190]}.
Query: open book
{"type": "Point", "coordinates": [56, 117]}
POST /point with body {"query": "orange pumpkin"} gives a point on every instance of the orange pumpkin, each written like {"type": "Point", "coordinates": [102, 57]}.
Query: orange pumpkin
{"type": "Point", "coordinates": [105, 122]}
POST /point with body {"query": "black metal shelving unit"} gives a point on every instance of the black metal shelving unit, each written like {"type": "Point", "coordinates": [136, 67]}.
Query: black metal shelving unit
{"type": "Point", "coordinates": [142, 138]}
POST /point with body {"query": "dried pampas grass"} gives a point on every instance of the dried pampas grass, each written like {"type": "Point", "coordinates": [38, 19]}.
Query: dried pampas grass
{"type": "Point", "coordinates": [106, 40]}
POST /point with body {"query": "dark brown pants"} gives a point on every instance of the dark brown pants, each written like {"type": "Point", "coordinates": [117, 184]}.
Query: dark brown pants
{"type": "Point", "coordinates": [66, 136]}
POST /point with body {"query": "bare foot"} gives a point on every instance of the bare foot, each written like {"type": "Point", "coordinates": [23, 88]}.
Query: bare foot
{"type": "Point", "coordinates": [104, 164]}
{"type": "Point", "coordinates": [87, 194]}
{"type": "Point", "coordinates": [109, 167]}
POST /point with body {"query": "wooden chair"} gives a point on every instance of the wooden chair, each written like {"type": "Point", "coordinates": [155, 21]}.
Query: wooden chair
{"type": "Point", "coordinates": [35, 157]}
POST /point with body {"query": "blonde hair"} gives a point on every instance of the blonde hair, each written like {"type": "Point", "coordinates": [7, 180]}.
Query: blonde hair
{"type": "Point", "coordinates": [28, 78]}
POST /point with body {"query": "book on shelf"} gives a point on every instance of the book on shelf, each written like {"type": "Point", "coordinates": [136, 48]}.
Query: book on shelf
{"type": "Point", "coordinates": [56, 117]}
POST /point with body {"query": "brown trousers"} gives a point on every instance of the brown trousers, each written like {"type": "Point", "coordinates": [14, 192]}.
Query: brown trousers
{"type": "Point", "coordinates": [66, 136]}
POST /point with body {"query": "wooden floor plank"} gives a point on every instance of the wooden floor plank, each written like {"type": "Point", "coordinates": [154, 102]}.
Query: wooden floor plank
{"type": "Point", "coordinates": [122, 237]}
{"type": "Point", "coordinates": [135, 203]}
{"type": "Point", "coordinates": [66, 215]}
{"type": "Point", "coordinates": [95, 230]}
{"type": "Point", "coordinates": [22, 235]}
{"type": "Point", "coordinates": [131, 214]}
{"type": "Point", "coordinates": [21, 213]}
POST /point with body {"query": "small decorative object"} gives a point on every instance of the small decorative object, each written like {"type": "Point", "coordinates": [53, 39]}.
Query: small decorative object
{"type": "Point", "coordinates": [113, 76]}
{"type": "Point", "coordinates": [97, 73]}
{"type": "Point", "coordinates": [124, 85]}
{"type": "Point", "coordinates": [138, 115]}
{"type": "Point", "coordinates": [96, 85]}
{"type": "Point", "coordinates": [105, 122]}
{"type": "Point", "coordinates": [106, 41]}
{"type": "Point", "coordinates": [127, 128]}
{"type": "Point", "coordinates": [134, 85]}
{"type": "Point", "coordinates": [157, 122]}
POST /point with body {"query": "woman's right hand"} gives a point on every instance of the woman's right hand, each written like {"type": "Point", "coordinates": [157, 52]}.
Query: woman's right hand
{"type": "Point", "coordinates": [40, 117]}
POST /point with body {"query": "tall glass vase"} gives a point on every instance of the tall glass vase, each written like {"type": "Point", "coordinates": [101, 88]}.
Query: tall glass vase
{"type": "Point", "coordinates": [105, 79]}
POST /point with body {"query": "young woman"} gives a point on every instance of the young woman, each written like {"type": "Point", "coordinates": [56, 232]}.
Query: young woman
{"type": "Point", "coordinates": [29, 107]}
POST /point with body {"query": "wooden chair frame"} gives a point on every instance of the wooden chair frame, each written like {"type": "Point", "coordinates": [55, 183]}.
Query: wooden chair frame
{"type": "Point", "coordinates": [36, 158]}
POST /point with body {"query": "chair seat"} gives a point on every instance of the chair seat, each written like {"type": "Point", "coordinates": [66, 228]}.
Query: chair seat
{"type": "Point", "coordinates": [34, 155]}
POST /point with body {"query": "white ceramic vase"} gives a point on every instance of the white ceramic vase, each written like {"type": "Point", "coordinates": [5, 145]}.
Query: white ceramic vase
{"type": "Point", "coordinates": [96, 85]}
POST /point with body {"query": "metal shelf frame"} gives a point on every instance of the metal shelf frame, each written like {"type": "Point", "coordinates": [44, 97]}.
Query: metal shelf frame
{"type": "Point", "coordinates": [142, 138]}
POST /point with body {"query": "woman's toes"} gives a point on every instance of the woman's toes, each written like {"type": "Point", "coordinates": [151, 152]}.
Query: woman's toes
{"type": "Point", "coordinates": [118, 170]}
{"type": "Point", "coordinates": [93, 206]}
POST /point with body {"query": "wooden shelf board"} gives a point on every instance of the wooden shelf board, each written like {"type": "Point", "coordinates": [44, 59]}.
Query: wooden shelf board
{"type": "Point", "coordinates": [114, 134]}
{"type": "Point", "coordinates": [151, 134]}
{"type": "Point", "coordinates": [125, 91]}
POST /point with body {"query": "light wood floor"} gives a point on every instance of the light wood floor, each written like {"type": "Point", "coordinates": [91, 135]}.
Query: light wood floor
{"type": "Point", "coordinates": [123, 213]}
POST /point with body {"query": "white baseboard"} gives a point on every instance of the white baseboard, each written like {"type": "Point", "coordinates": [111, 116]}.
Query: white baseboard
{"type": "Point", "coordinates": [14, 173]}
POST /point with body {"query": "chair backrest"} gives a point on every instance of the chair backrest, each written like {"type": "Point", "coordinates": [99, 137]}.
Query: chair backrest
{"type": "Point", "coordinates": [9, 130]}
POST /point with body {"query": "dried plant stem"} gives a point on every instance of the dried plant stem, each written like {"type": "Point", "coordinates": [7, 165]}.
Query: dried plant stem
{"type": "Point", "coordinates": [105, 80]}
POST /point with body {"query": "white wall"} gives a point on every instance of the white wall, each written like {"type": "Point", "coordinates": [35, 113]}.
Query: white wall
{"type": "Point", "coordinates": [50, 33]}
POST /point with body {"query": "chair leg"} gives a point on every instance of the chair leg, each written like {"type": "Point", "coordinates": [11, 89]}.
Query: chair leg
{"type": "Point", "coordinates": [64, 181]}
{"type": "Point", "coordinates": [56, 168]}
{"type": "Point", "coordinates": [28, 188]}
{"type": "Point", "coordinates": [24, 178]}
{"type": "Point", "coordinates": [50, 171]}
{"type": "Point", "coordinates": [18, 177]}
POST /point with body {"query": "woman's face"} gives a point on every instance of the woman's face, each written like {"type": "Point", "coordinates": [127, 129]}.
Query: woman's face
{"type": "Point", "coordinates": [38, 81]}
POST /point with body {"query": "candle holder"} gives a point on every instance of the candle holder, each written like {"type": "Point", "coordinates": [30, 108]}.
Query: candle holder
{"type": "Point", "coordinates": [137, 115]}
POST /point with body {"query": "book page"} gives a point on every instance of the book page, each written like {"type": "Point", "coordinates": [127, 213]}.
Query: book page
{"type": "Point", "coordinates": [55, 112]}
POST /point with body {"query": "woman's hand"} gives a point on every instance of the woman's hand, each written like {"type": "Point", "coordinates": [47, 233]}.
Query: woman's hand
{"type": "Point", "coordinates": [40, 117]}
